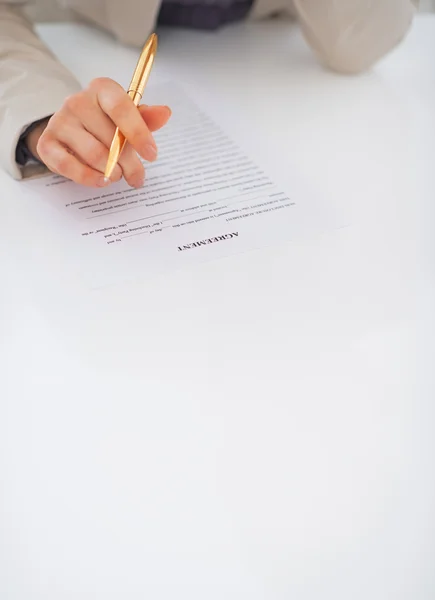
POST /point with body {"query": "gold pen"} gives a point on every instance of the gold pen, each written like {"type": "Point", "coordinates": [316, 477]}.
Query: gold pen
{"type": "Point", "coordinates": [135, 91]}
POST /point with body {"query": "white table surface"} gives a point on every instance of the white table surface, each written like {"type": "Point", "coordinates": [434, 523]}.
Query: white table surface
{"type": "Point", "coordinates": [259, 427]}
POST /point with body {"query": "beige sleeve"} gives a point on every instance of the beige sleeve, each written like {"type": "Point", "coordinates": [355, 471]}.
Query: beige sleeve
{"type": "Point", "coordinates": [33, 84]}
{"type": "Point", "coordinates": [130, 22]}
{"type": "Point", "coordinates": [351, 35]}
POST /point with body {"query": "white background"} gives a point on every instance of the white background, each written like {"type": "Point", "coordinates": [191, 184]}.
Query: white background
{"type": "Point", "coordinates": [259, 427]}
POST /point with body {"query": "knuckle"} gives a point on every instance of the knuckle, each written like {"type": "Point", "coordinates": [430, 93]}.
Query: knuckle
{"type": "Point", "coordinates": [75, 102]}
{"type": "Point", "coordinates": [62, 162]}
{"type": "Point", "coordinates": [99, 154]}
{"type": "Point", "coordinates": [44, 144]}
{"type": "Point", "coordinates": [57, 121]}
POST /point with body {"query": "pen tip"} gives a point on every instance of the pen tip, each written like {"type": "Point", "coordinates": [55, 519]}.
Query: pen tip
{"type": "Point", "coordinates": [106, 180]}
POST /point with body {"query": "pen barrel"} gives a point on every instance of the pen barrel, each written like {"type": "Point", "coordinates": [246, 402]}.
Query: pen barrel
{"type": "Point", "coordinates": [144, 66]}
{"type": "Point", "coordinates": [135, 91]}
{"type": "Point", "coordinates": [119, 140]}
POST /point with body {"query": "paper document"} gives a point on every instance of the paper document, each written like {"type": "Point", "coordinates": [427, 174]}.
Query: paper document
{"type": "Point", "coordinates": [204, 198]}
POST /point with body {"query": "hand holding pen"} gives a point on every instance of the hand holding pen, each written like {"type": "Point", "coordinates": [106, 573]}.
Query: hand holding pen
{"type": "Point", "coordinates": [75, 141]}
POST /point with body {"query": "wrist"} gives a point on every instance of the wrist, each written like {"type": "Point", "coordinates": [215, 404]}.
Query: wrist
{"type": "Point", "coordinates": [32, 138]}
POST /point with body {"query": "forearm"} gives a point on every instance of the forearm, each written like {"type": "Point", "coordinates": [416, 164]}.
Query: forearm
{"type": "Point", "coordinates": [349, 36]}
{"type": "Point", "coordinates": [33, 84]}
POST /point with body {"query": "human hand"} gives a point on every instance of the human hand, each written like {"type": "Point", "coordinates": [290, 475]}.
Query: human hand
{"type": "Point", "coordinates": [75, 141]}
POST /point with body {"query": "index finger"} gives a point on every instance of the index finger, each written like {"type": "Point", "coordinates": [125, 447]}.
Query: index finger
{"type": "Point", "coordinates": [119, 107]}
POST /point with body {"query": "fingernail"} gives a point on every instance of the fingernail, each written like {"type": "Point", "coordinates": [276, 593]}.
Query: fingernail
{"type": "Point", "coordinates": [169, 110]}
{"type": "Point", "coordinates": [150, 152]}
